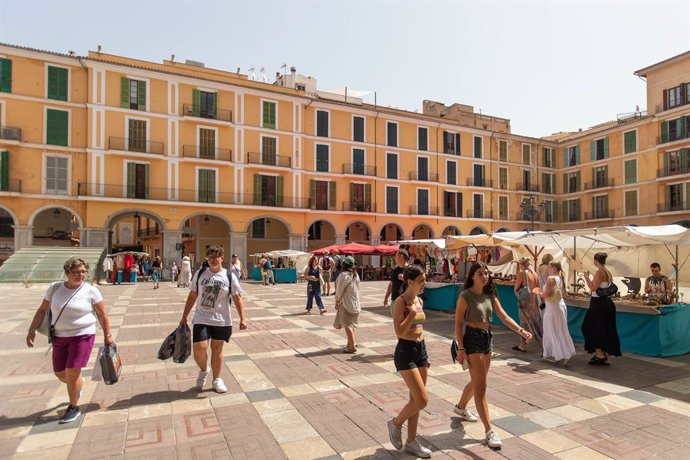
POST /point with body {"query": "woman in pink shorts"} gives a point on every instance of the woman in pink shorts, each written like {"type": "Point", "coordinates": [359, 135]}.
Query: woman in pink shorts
{"type": "Point", "coordinates": [72, 304]}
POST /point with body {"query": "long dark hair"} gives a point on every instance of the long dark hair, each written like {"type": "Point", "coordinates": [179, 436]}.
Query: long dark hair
{"type": "Point", "coordinates": [489, 289]}
{"type": "Point", "coordinates": [412, 272]}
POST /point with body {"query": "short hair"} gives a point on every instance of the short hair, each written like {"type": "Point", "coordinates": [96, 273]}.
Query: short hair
{"type": "Point", "coordinates": [601, 257]}
{"type": "Point", "coordinates": [524, 261]}
{"type": "Point", "coordinates": [655, 265]}
{"type": "Point", "coordinates": [73, 263]}
{"type": "Point", "coordinates": [215, 250]}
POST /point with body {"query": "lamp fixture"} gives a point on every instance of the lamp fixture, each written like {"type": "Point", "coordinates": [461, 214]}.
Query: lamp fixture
{"type": "Point", "coordinates": [56, 213]}
{"type": "Point", "coordinates": [136, 215]}
{"type": "Point", "coordinates": [268, 221]}
{"type": "Point", "coordinates": [206, 220]}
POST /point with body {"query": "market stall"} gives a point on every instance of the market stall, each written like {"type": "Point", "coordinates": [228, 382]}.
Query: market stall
{"type": "Point", "coordinates": [286, 264]}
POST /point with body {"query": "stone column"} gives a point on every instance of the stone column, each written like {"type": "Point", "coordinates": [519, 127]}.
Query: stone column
{"type": "Point", "coordinates": [375, 261]}
{"type": "Point", "coordinates": [93, 237]}
{"type": "Point", "coordinates": [170, 254]}
{"type": "Point", "coordinates": [340, 239]}
{"type": "Point", "coordinates": [298, 242]}
{"type": "Point", "coordinates": [23, 236]}
{"type": "Point", "coordinates": [238, 245]}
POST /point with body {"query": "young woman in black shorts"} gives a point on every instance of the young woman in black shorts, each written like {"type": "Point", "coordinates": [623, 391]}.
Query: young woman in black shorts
{"type": "Point", "coordinates": [477, 301]}
{"type": "Point", "coordinates": [411, 359]}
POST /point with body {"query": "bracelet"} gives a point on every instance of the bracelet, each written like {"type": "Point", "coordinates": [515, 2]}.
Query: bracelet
{"type": "Point", "coordinates": [108, 335]}
{"type": "Point", "coordinates": [461, 349]}
{"type": "Point", "coordinates": [32, 330]}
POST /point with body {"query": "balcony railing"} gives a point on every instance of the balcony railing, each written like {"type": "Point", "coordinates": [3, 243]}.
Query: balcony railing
{"type": "Point", "coordinates": [478, 214]}
{"type": "Point", "coordinates": [189, 196]}
{"type": "Point", "coordinates": [520, 187]}
{"type": "Point", "coordinates": [675, 171]}
{"type": "Point", "coordinates": [136, 145]}
{"type": "Point", "coordinates": [10, 134]}
{"type": "Point", "coordinates": [361, 170]}
{"type": "Point", "coordinates": [424, 177]}
{"type": "Point", "coordinates": [572, 218]}
{"type": "Point", "coordinates": [269, 159]}
{"type": "Point", "coordinates": [220, 114]}
{"type": "Point", "coordinates": [599, 184]}
{"type": "Point", "coordinates": [548, 189]}
{"type": "Point", "coordinates": [206, 153]}
{"type": "Point", "coordinates": [451, 212]}
{"type": "Point", "coordinates": [317, 204]}
{"type": "Point", "coordinates": [671, 207]}
{"type": "Point", "coordinates": [424, 210]}
{"type": "Point", "coordinates": [357, 206]}
{"type": "Point", "coordinates": [12, 185]}
{"type": "Point", "coordinates": [600, 214]}
{"type": "Point", "coordinates": [479, 182]}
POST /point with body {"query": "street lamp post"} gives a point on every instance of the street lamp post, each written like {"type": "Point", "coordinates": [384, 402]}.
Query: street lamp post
{"type": "Point", "coordinates": [529, 205]}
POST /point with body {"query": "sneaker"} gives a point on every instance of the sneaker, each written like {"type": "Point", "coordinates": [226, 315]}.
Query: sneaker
{"type": "Point", "coordinates": [322, 311]}
{"type": "Point", "coordinates": [219, 386]}
{"type": "Point", "coordinates": [417, 449]}
{"type": "Point", "coordinates": [493, 441]}
{"type": "Point", "coordinates": [201, 379]}
{"type": "Point", "coordinates": [465, 415]}
{"type": "Point", "coordinates": [395, 434]}
{"type": "Point", "coordinates": [71, 414]}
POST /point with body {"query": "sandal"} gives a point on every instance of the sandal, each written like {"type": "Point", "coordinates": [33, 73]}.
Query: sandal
{"type": "Point", "coordinates": [599, 362]}
{"type": "Point", "coordinates": [350, 351]}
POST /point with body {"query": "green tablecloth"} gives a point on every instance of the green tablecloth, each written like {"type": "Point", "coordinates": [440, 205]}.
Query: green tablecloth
{"type": "Point", "coordinates": [282, 275]}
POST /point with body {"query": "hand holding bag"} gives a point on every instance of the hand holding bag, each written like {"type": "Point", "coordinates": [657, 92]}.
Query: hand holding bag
{"type": "Point", "coordinates": [111, 364]}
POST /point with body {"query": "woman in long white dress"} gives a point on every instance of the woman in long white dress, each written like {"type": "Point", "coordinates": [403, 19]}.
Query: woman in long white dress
{"type": "Point", "coordinates": [557, 343]}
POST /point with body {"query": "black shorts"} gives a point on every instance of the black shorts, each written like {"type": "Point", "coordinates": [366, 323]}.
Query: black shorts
{"type": "Point", "coordinates": [203, 332]}
{"type": "Point", "coordinates": [477, 340]}
{"type": "Point", "coordinates": [410, 354]}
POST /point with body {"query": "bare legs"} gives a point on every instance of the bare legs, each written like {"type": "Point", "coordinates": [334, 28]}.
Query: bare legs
{"type": "Point", "coordinates": [479, 370]}
{"type": "Point", "coordinates": [415, 379]}
{"type": "Point", "coordinates": [201, 356]}
{"type": "Point", "coordinates": [350, 332]}
{"type": "Point", "coordinates": [72, 377]}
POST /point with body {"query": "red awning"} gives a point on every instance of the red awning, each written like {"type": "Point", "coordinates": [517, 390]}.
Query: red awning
{"type": "Point", "coordinates": [387, 249]}
{"type": "Point", "coordinates": [330, 248]}
{"type": "Point", "coordinates": [356, 249]}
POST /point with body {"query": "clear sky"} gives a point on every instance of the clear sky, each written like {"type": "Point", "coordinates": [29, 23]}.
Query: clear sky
{"type": "Point", "coordinates": [549, 66]}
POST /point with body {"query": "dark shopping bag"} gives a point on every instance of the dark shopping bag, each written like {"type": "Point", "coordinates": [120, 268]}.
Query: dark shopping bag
{"type": "Point", "coordinates": [183, 344]}
{"type": "Point", "coordinates": [111, 364]}
{"type": "Point", "coordinates": [167, 347]}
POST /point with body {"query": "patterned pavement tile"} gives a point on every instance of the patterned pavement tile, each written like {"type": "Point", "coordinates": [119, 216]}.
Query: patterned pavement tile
{"type": "Point", "coordinates": [518, 425]}
{"type": "Point", "coordinates": [263, 395]}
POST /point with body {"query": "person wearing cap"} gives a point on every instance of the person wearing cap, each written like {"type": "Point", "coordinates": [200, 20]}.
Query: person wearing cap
{"type": "Point", "coordinates": [237, 268]}
{"type": "Point", "coordinates": [347, 305]}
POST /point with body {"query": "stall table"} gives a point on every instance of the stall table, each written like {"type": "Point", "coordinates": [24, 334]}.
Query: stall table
{"type": "Point", "coordinates": [281, 275]}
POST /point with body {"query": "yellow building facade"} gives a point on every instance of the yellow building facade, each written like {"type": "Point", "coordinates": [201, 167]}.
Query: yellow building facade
{"type": "Point", "coordinates": [114, 152]}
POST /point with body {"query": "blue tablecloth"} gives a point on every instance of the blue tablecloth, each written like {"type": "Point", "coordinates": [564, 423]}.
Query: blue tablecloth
{"type": "Point", "coordinates": [281, 275]}
{"type": "Point", "coordinates": [667, 334]}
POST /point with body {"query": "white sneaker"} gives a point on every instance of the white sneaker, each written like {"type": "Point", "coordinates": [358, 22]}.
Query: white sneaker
{"type": "Point", "coordinates": [395, 434]}
{"type": "Point", "coordinates": [465, 415]}
{"type": "Point", "coordinates": [201, 379]}
{"type": "Point", "coordinates": [417, 449]}
{"type": "Point", "coordinates": [219, 386]}
{"type": "Point", "coordinates": [492, 440]}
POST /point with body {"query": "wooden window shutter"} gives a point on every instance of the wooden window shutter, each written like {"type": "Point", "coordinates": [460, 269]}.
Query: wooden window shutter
{"type": "Point", "coordinates": [565, 157]}
{"type": "Point", "coordinates": [312, 193]}
{"type": "Point", "coordinates": [606, 147]}
{"type": "Point", "coordinates": [457, 143]}
{"type": "Point", "coordinates": [577, 186]}
{"type": "Point", "coordinates": [57, 83]}
{"type": "Point", "coordinates": [565, 183]}
{"type": "Point", "coordinates": [593, 150]}
{"type": "Point", "coordinates": [664, 132]}
{"type": "Point", "coordinates": [577, 154]}
{"type": "Point", "coordinates": [141, 95]}
{"type": "Point", "coordinates": [203, 186]}
{"type": "Point", "coordinates": [683, 128]}
{"type": "Point", "coordinates": [665, 99]}
{"type": "Point", "coordinates": [367, 197]}
{"type": "Point", "coordinates": [257, 189]}
{"type": "Point", "coordinates": [331, 195]}
{"type": "Point", "coordinates": [56, 129]}
{"type": "Point", "coordinates": [214, 105]}
{"type": "Point", "coordinates": [196, 103]}
{"type": "Point", "coordinates": [147, 170]}
{"type": "Point", "coordinates": [131, 179]}
{"type": "Point", "coordinates": [4, 171]}
{"type": "Point", "coordinates": [279, 191]}
{"type": "Point", "coordinates": [124, 92]}
{"type": "Point", "coordinates": [5, 75]}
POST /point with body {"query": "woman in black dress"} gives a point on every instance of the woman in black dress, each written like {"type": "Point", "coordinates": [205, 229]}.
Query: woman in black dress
{"type": "Point", "coordinates": [599, 325]}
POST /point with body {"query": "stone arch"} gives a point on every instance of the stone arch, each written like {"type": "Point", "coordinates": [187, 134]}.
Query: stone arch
{"type": "Point", "coordinates": [123, 212]}
{"type": "Point", "coordinates": [422, 231]}
{"type": "Point", "coordinates": [210, 214]}
{"type": "Point", "coordinates": [15, 219]}
{"type": "Point", "coordinates": [352, 224]}
{"type": "Point", "coordinates": [56, 206]}
{"type": "Point", "coordinates": [317, 237]}
{"type": "Point", "coordinates": [451, 230]}
{"type": "Point", "coordinates": [502, 229]}
{"type": "Point", "coordinates": [389, 227]}
{"type": "Point", "coordinates": [287, 225]}
{"type": "Point", "coordinates": [478, 230]}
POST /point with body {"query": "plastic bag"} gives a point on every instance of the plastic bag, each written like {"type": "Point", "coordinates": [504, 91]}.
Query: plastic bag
{"type": "Point", "coordinates": [168, 346]}
{"type": "Point", "coordinates": [183, 344]}
{"type": "Point", "coordinates": [111, 364]}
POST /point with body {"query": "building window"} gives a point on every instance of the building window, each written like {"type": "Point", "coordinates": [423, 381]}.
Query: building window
{"type": "Point", "coordinates": [451, 143]}
{"type": "Point", "coordinates": [675, 197]}
{"type": "Point", "coordinates": [137, 180]}
{"type": "Point", "coordinates": [5, 75]}
{"type": "Point", "coordinates": [452, 204]}
{"type": "Point", "coordinates": [599, 149]}
{"type": "Point", "coordinates": [268, 120]}
{"type": "Point", "coordinates": [503, 207]}
{"type": "Point", "coordinates": [600, 178]}
{"type": "Point", "coordinates": [630, 171]}
{"type": "Point", "coordinates": [571, 182]}
{"type": "Point", "coordinates": [478, 175]}
{"type": "Point", "coordinates": [132, 94]}
{"type": "Point", "coordinates": [56, 175]}
{"type": "Point", "coordinates": [207, 143]}
{"type": "Point", "coordinates": [391, 134]}
{"type": "Point", "coordinates": [478, 205]}
{"type": "Point", "coordinates": [526, 154]}
{"type": "Point", "coordinates": [259, 229]}
{"type": "Point", "coordinates": [423, 201]}
{"type": "Point", "coordinates": [322, 194]}
{"type": "Point", "coordinates": [600, 206]}
{"type": "Point", "coordinates": [207, 186]}
{"type": "Point", "coordinates": [502, 150]}
{"type": "Point", "coordinates": [321, 123]}
{"type": "Point", "coordinates": [477, 147]}
{"type": "Point", "coordinates": [527, 181]}
{"type": "Point", "coordinates": [4, 171]}
{"type": "Point", "coordinates": [548, 157]}
{"type": "Point", "coordinates": [549, 211]}
{"type": "Point", "coordinates": [572, 156]}
{"type": "Point", "coordinates": [503, 178]}
{"type": "Point", "coordinates": [322, 158]}
{"type": "Point", "coordinates": [630, 142]}
{"type": "Point", "coordinates": [631, 203]}
{"type": "Point", "coordinates": [573, 210]}
{"type": "Point", "coordinates": [548, 183]}
{"type": "Point", "coordinates": [391, 200]}
{"type": "Point", "coordinates": [358, 129]}
{"type": "Point", "coordinates": [268, 190]}
{"type": "Point", "coordinates": [136, 137]}
{"type": "Point", "coordinates": [451, 172]}
{"type": "Point", "coordinates": [391, 166]}
{"type": "Point", "coordinates": [57, 83]}
{"type": "Point", "coordinates": [423, 168]}
{"type": "Point", "coordinates": [674, 97]}
{"type": "Point", "coordinates": [358, 161]}
{"type": "Point", "coordinates": [360, 197]}
{"type": "Point", "coordinates": [676, 162]}
{"type": "Point", "coordinates": [57, 127]}
{"type": "Point", "coordinates": [269, 150]}
{"type": "Point", "coordinates": [422, 138]}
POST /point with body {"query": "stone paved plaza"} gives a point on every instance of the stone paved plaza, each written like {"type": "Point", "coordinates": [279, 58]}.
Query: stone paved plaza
{"type": "Point", "coordinates": [292, 393]}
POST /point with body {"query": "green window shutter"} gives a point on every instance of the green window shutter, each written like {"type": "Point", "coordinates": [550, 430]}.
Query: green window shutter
{"type": "Point", "coordinates": [684, 160]}
{"type": "Point", "coordinates": [630, 171]}
{"type": "Point", "coordinates": [564, 211]}
{"type": "Point", "coordinates": [565, 183]}
{"type": "Point", "coordinates": [331, 195]}
{"type": "Point", "coordinates": [594, 209]}
{"type": "Point", "coordinates": [577, 186]}
{"type": "Point", "coordinates": [203, 186]}
{"type": "Point", "coordinates": [57, 125]}
{"type": "Point", "coordinates": [57, 83]}
{"type": "Point", "coordinates": [131, 179]}
{"type": "Point", "coordinates": [124, 92]}
{"type": "Point", "coordinates": [577, 154]}
{"type": "Point", "coordinates": [683, 128]}
{"type": "Point", "coordinates": [279, 191]}
{"type": "Point", "coordinates": [630, 142]}
{"type": "Point", "coordinates": [4, 171]}
{"type": "Point", "coordinates": [606, 147]}
{"type": "Point", "coordinates": [5, 75]}
{"type": "Point", "coordinates": [141, 95]}
{"type": "Point", "coordinates": [312, 189]}
{"type": "Point", "coordinates": [146, 181]}
{"type": "Point", "coordinates": [257, 189]}
{"type": "Point", "coordinates": [269, 116]}
{"type": "Point", "coordinates": [196, 102]}
{"type": "Point", "coordinates": [214, 105]}
{"type": "Point", "coordinates": [592, 150]}
{"type": "Point", "coordinates": [367, 196]}
{"type": "Point", "coordinates": [565, 157]}
{"type": "Point", "coordinates": [211, 185]}
{"type": "Point", "coordinates": [664, 132]}
{"type": "Point", "coordinates": [554, 210]}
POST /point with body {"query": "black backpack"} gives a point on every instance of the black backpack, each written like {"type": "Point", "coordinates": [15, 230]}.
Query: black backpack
{"type": "Point", "coordinates": [204, 267]}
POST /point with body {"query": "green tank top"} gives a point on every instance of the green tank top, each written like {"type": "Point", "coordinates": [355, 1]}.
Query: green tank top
{"type": "Point", "coordinates": [479, 307]}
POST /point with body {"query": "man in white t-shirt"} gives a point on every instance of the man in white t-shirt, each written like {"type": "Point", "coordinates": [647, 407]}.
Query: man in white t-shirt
{"type": "Point", "coordinates": [212, 287]}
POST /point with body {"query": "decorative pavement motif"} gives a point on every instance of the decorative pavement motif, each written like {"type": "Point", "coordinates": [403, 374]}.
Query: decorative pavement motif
{"type": "Point", "coordinates": [292, 393]}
